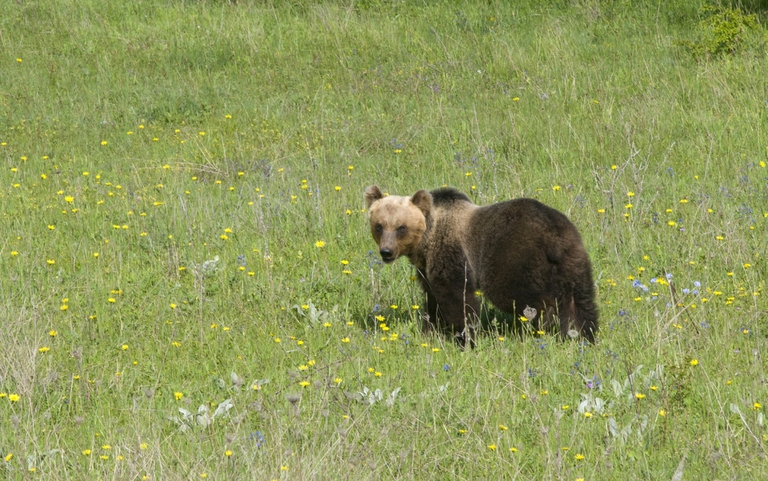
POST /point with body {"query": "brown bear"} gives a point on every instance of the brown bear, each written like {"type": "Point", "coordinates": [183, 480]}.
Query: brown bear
{"type": "Point", "coordinates": [524, 256]}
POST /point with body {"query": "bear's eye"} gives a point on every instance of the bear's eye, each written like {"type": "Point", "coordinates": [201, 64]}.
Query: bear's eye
{"type": "Point", "coordinates": [401, 229]}
{"type": "Point", "coordinates": [379, 228]}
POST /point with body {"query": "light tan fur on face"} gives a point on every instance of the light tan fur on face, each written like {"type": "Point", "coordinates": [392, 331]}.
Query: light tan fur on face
{"type": "Point", "coordinates": [396, 224]}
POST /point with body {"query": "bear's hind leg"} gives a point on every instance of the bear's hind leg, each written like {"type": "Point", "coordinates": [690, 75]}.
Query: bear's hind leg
{"type": "Point", "coordinates": [567, 315]}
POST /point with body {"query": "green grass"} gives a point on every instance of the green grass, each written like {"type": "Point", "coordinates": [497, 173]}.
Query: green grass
{"type": "Point", "coordinates": [247, 131]}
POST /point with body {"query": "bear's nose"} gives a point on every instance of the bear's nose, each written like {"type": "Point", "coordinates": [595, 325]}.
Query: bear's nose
{"type": "Point", "coordinates": [386, 254]}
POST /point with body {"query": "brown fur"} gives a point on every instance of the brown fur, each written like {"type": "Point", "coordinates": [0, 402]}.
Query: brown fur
{"type": "Point", "coordinates": [520, 253]}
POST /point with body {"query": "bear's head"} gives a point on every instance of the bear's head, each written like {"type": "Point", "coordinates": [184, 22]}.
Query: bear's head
{"type": "Point", "coordinates": [397, 223]}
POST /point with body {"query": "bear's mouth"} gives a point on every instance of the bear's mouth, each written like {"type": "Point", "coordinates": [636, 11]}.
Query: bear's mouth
{"type": "Point", "coordinates": [388, 260]}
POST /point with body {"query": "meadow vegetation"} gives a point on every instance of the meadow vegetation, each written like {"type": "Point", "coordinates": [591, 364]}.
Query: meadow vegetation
{"type": "Point", "coordinates": [189, 286]}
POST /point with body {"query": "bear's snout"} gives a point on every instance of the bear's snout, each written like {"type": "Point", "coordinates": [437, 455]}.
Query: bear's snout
{"type": "Point", "coordinates": [387, 255]}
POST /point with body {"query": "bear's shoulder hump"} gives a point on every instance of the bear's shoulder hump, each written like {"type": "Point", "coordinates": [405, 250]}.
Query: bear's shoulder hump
{"type": "Point", "coordinates": [448, 195]}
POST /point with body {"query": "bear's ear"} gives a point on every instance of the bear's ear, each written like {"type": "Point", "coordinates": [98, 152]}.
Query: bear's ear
{"type": "Point", "coordinates": [423, 200]}
{"type": "Point", "coordinates": [372, 194]}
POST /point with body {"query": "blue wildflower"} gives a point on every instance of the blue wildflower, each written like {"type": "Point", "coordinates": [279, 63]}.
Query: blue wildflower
{"type": "Point", "coordinates": [258, 438]}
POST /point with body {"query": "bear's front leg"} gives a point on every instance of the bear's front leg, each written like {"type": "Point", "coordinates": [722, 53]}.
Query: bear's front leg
{"type": "Point", "coordinates": [429, 321]}
{"type": "Point", "coordinates": [457, 309]}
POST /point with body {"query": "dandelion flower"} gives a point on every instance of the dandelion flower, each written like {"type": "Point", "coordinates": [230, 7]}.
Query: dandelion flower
{"type": "Point", "coordinates": [694, 362]}
{"type": "Point", "coordinates": [228, 453]}
{"type": "Point", "coordinates": [178, 395]}
{"type": "Point", "coordinates": [14, 398]}
{"type": "Point", "coordinates": [320, 244]}
{"type": "Point", "coordinates": [492, 447]}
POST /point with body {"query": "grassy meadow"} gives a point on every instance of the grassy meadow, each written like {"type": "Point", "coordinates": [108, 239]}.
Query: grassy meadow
{"type": "Point", "coordinates": [189, 287]}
